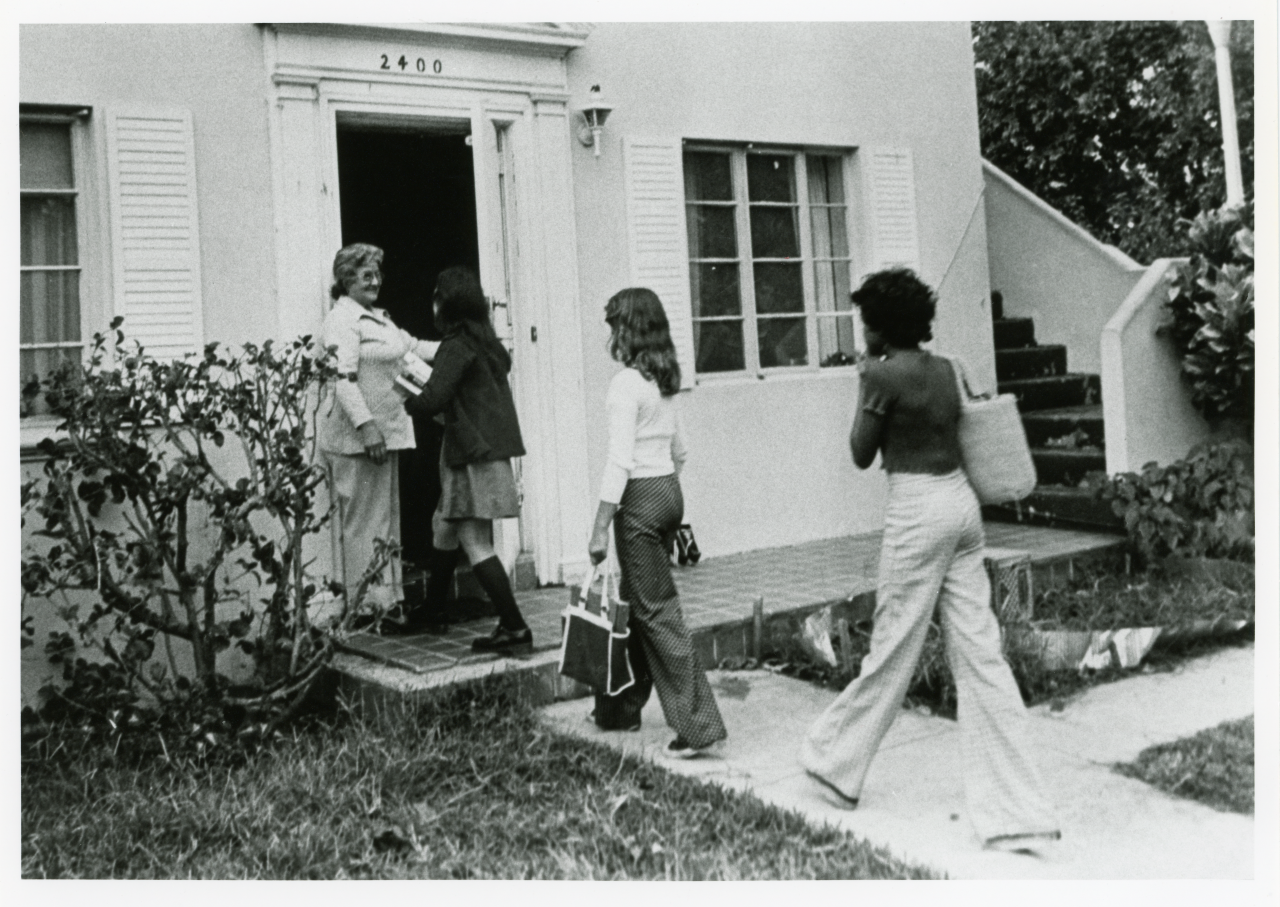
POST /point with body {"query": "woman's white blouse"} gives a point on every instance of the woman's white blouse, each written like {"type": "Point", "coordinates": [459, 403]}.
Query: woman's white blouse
{"type": "Point", "coordinates": [370, 349]}
{"type": "Point", "coordinates": [644, 434]}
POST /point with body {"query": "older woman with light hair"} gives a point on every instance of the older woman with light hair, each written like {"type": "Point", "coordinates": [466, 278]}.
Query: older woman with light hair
{"type": "Point", "coordinates": [363, 425]}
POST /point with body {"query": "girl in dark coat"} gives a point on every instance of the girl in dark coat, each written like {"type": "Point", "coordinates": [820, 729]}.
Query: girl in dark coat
{"type": "Point", "coordinates": [481, 435]}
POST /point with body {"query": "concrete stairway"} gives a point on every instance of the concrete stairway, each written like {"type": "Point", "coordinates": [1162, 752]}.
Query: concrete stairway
{"type": "Point", "coordinates": [1062, 414]}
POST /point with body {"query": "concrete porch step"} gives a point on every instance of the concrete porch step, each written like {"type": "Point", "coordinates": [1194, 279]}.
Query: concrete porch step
{"type": "Point", "coordinates": [1066, 467]}
{"type": "Point", "coordinates": [1031, 362]}
{"type": "Point", "coordinates": [1046, 425]}
{"type": "Point", "coordinates": [1013, 333]}
{"type": "Point", "coordinates": [716, 596]}
{"type": "Point", "coordinates": [1058, 506]}
{"type": "Point", "coordinates": [1053, 393]}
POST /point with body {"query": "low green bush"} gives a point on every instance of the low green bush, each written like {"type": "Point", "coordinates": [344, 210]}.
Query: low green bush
{"type": "Point", "coordinates": [168, 530]}
{"type": "Point", "coordinates": [1097, 600]}
{"type": "Point", "coordinates": [1201, 506]}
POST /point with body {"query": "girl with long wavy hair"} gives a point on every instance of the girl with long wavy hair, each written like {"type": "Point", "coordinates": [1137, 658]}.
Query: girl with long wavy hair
{"type": "Point", "coordinates": [640, 495]}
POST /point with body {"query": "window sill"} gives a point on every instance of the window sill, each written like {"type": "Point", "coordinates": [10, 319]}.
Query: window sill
{"type": "Point", "coordinates": [744, 379]}
{"type": "Point", "coordinates": [34, 429]}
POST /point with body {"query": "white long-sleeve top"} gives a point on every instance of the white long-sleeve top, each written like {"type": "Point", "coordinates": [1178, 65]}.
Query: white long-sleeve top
{"type": "Point", "coordinates": [644, 434]}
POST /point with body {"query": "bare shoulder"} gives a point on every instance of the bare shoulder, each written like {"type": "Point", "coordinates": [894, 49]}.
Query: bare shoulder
{"type": "Point", "coordinates": [877, 372]}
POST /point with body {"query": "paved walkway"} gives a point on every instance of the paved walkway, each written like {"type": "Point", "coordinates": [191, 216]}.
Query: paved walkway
{"type": "Point", "coordinates": [913, 802]}
{"type": "Point", "coordinates": [723, 589]}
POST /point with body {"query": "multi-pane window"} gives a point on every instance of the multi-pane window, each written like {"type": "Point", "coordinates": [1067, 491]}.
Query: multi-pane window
{"type": "Point", "coordinates": [49, 307]}
{"type": "Point", "coordinates": [768, 259]}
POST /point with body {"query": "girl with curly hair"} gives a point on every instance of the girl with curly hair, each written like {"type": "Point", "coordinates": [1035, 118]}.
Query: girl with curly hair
{"type": "Point", "coordinates": [931, 561]}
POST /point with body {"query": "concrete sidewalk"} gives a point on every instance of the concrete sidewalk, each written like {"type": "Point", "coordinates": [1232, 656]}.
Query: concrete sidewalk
{"type": "Point", "coordinates": [913, 802]}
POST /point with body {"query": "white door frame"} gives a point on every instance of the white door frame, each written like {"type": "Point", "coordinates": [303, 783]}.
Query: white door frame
{"type": "Point", "coordinates": [313, 93]}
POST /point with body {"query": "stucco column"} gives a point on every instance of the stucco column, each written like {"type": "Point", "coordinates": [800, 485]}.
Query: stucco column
{"type": "Point", "coordinates": [559, 343]}
{"type": "Point", "coordinates": [301, 289]}
{"type": "Point", "coordinates": [296, 143]}
{"type": "Point", "coordinates": [1220, 32]}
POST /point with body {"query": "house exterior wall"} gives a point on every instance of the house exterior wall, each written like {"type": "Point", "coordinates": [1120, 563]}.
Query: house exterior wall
{"type": "Point", "coordinates": [216, 72]}
{"type": "Point", "coordinates": [769, 461]}
{"type": "Point", "coordinates": [770, 464]}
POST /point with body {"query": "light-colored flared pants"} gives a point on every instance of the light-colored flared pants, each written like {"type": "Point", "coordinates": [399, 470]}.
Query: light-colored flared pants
{"type": "Point", "coordinates": [932, 556]}
{"type": "Point", "coordinates": [368, 507]}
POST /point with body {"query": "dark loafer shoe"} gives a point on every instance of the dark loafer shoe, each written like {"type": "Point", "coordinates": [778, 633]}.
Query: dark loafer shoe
{"type": "Point", "coordinates": [504, 641]}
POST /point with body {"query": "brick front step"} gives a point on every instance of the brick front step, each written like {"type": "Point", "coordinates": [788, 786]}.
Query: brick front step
{"type": "Point", "coordinates": [1047, 425]}
{"type": "Point", "coordinates": [1053, 393]}
{"type": "Point", "coordinates": [1031, 362]}
{"type": "Point", "coordinates": [1012, 333]}
{"type": "Point", "coordinates": [1056, 505]}
{"type": "Point", "coordinates": [1066, 467]}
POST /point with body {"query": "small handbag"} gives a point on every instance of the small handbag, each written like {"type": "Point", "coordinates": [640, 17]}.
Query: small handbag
{"type": "Point", "coordinates": [993, 444]}
{"type": "Point", "coordinates": [593, 645]}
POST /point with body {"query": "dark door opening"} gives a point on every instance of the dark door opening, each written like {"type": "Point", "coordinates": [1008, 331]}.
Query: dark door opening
{"type": "Point", "coordinates": [412, 194]}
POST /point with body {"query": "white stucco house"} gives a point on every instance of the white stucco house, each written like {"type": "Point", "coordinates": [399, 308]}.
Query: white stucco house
{"type": "Point", "coordinates": [202, 178]}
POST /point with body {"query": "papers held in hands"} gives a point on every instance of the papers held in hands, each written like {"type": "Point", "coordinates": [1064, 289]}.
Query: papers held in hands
{"type": "Point", "coordinates": [414, 375]}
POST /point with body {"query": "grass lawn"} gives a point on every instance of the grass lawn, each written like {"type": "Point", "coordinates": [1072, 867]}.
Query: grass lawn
{"type": "Point", "coordinates": [470, 786]}
{"type": "Point", "coordinates": [1214, 767]}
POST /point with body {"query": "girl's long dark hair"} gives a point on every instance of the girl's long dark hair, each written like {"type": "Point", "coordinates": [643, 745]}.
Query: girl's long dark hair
{"type": "Point", "coordinates": [642, 337]}
{"type": "Point", "coordinates": [462, 307]}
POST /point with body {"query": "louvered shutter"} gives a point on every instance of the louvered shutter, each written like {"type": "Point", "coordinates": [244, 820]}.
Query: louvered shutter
{"type": "Point", "coordinates": [656, 237]}
{"type": "Point", "coordinates": [891, 195]}
{"type": "Point", "coordinates": [155, 240]}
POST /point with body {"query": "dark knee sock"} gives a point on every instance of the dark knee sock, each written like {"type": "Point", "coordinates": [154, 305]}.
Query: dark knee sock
{"type": "Point", "coordinates": [492, 577]}
{"type": "Point", "coordinates": [441, 566]}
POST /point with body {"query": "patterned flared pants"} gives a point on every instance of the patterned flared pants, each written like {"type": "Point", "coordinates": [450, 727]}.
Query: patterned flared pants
{"type": "Point", "coordinates": [660, 647]}
{"type": "Point", "coordinates": [932, 557]}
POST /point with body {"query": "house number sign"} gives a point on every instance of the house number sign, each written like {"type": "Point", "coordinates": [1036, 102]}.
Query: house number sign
{"type": "Point", "coordinates": [420, 64]}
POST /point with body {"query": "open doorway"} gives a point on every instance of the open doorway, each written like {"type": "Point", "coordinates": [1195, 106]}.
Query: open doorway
{"type": "Point", "coordinates": [411, 192]}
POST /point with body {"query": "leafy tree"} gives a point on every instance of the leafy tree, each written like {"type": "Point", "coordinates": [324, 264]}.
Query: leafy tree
{"type": "Point", "coordinates": [1116, 124]}
{"type": "Point", "coordinates": [173, 517]}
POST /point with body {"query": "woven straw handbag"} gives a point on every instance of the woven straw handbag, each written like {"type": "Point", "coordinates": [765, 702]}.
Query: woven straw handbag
{"type": "Point", "coordinates": [993, 444]}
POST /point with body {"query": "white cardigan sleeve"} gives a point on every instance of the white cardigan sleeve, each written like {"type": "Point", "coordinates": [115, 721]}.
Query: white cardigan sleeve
{"type": "Point", "coordinates": [679, 453]}
{"type": "Point", "coordinates": [622, 407]}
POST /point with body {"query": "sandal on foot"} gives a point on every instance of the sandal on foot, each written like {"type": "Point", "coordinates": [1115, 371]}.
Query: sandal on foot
{"type": "Point", "coordinates": [845, 800]}
{"type": "Point", "coordinates": [682, 749]}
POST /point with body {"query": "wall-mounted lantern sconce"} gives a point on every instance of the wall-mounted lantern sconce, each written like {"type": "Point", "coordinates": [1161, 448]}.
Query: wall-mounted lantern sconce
{"type": "Point", "coordinates": [594, 113]}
